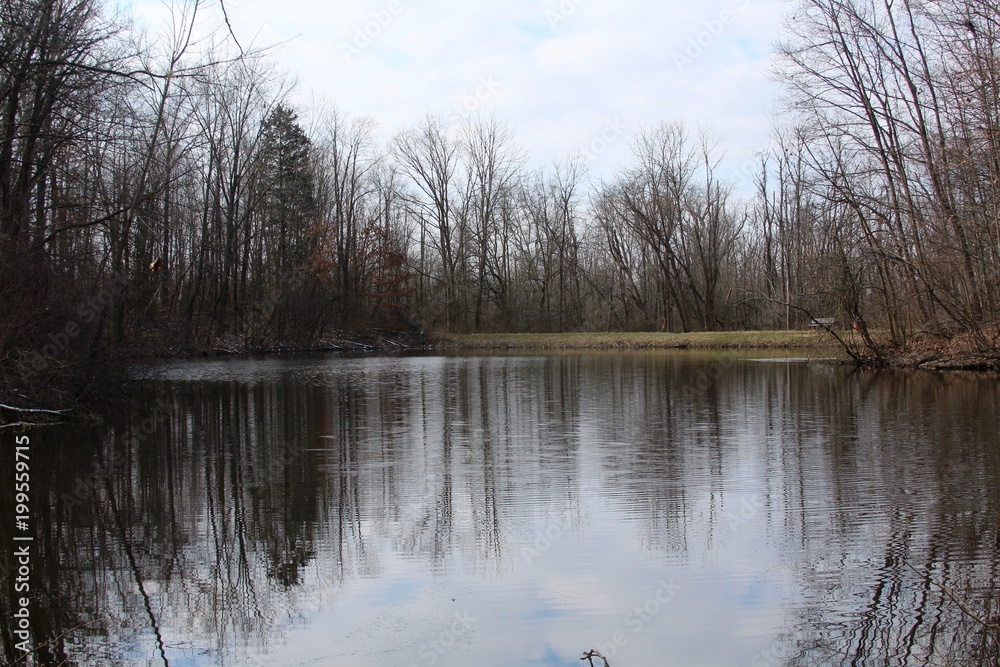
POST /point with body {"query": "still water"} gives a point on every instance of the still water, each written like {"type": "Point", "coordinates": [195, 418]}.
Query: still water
{"type": "Point", "coordinates": [664, 508]}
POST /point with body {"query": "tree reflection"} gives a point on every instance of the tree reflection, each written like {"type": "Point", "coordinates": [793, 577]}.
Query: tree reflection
{"type": "Point", "coordinates": [254, 501]}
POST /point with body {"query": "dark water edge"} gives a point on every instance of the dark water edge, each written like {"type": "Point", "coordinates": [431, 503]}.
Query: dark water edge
{"type": "Point", "coordinates": [776, 511]}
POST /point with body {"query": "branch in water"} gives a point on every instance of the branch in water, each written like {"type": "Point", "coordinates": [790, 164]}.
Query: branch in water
{"type": "Point", "coordinates": [591, 654]}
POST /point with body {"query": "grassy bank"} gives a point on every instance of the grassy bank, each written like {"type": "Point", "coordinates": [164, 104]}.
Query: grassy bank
{"type": "Point", "coordinates": [639, 341]}
{"type": "Point", "coordinates": [958, 353]}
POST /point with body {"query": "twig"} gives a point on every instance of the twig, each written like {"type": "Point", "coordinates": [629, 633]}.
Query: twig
{"type": "Point", "coordinates": [591, 654]}
{"type": "Point", "coordinates": [962, 604]}
{"type": "Point", "coordinates": [229, 25]}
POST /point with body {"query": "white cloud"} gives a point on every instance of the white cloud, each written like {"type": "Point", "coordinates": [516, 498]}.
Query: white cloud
{"type": "Point", "coordinates": [560, 81]}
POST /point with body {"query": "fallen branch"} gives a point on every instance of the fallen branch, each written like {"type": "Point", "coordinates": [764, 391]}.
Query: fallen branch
{"type": "Point", "coordinates": [12, 416]}
{"type": "Point", "coordinates": [33, 411]}
{"type": "Point", "coordinates": [591, 654]}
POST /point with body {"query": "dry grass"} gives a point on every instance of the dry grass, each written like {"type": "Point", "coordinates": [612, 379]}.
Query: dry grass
{"type": "Point", "coordinates": [639, 341]}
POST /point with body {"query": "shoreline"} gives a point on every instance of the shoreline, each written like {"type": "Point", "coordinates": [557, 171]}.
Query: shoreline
{"type": "Point", "coordinates": [925, 356]}
{"type": "Point", "coordinates": [721, 340]}
{"type": "Point", "coordinates": [935, 356]}
{"type": "Point", "coordinates": [929, 356]}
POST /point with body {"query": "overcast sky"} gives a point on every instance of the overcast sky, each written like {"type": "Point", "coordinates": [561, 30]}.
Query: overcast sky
{"type": "Point", "coordinates": [567, 76]}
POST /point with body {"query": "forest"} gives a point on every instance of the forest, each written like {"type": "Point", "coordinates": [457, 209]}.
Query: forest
{"type": "Point", "coordinates": [166, 196]}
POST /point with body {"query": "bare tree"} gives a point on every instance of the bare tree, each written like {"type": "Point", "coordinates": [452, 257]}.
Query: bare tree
{"type": "Point", "coordinates": [430, 158]}
{"type": "Point", "coordinates": [493, 163]}
{"type": "Point", "coordinates": [345, 164]}
{"type": "Point", "coordinates": [877, 84]}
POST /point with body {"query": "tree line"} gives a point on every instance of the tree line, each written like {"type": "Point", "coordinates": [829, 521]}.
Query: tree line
{"type": "Point", "coordinates": [162, 195]}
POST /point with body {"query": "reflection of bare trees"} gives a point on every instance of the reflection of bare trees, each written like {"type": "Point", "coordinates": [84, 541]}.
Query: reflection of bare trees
{"type": "Point", "coordinates": [260, 498]}
{"type": "Point", "coordinates": [57, 556]}
{"type": "Point", "coordinates": [897, 498]}
{"type": "Point", "coordinates": [254, 499]}
{"type": "Point", "coordinates": [859, 475]}
{"type": "Point", "coordinates": [194, 540]}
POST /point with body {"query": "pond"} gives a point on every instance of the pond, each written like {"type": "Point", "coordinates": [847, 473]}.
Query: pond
{"type": "Point", "coordinates": [664, 508]}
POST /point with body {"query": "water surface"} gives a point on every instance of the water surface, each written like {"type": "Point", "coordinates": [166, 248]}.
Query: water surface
{"type": "Point", "coordinates": [665, 508]}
